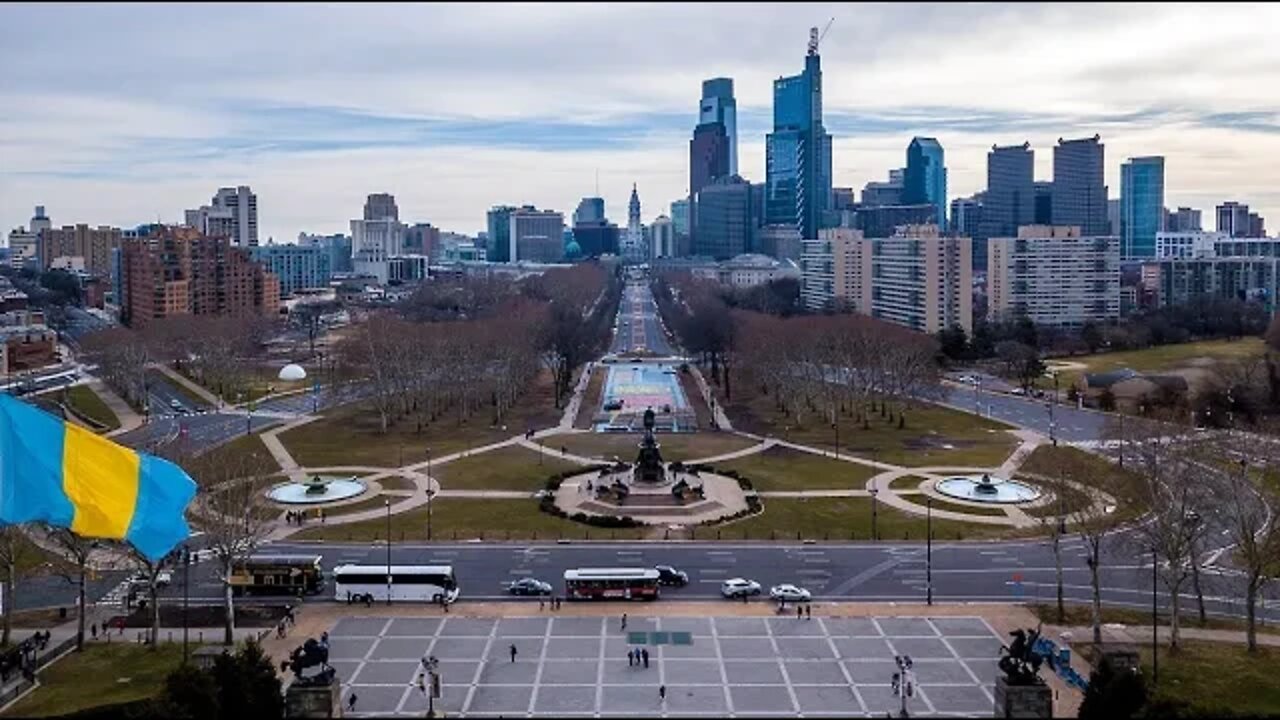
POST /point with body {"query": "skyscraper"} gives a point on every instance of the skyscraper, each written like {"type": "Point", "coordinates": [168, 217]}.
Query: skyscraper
{"type": "Point", "coordinates": [232, 213]}
{"type": "Point", "coordinates": [926, 177]}
{"type": "Point", "coordinates": [723, 221]}
{"type": "Point", "coordinates": [498, 243]}
{"type": "Point", "coordinates": [713, 151]}
{"type": "Point", "coordinates": [798, 151]}
{"type": "Point", "coordinates": [633, 245]}
{"type": "Point", "coordinates": [381, 206]}
{"type": "Point", "coordinates": [1141, 206]}
{"type": "Point", "coordinates": [1010, 199]}
{"type": "Point", "coordinates": [1044, 203]}
{"type": "Point", "coordinates": [1079, 190]}
{"type": "Point", "coordinates": [1184, 219]}
{"type": "Point", "coordinates": [590, 210]}
{"type": "Point", "coordinates": [1233, 219]}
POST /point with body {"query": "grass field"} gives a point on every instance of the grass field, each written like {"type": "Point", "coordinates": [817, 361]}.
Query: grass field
{"type": "Point", "coordinates": [396, 482]}
{"type": "Point", "coordinates": [1079, 615]}
{"type": "Point", "coordinates": [675, 446]}
{"type": "Point", "coordinates": [370, 503]}
{"type": "Point", "coordinates": [785, 469]}
{"type": "Point", "coordinates": [508, 468]}
{"type": "Point", "coordinates": [839, 518]}
{"type": "Point", "coordinates": [245, 453]}
{"type": "Point", "coordinates": [467, 519]}
{"type": "Point", "coordinates": [1092, 471]}
{"type": "Point", "coordinates": [907, 482]}
{"type": "Point", "coordinates": [1160, 358]}
{"type": "Point", "coordinates": [351, 435]}
{"type": "Point", "coordinates": [85, 402]}
{"type": "Point", "coordinates": [1218, 679]}
{"type": "Point", "coordinates": [100, 675]}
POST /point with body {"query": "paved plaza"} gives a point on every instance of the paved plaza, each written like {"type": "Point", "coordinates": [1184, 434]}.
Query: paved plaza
{"type": "Point", "coordinates": [738, 666]}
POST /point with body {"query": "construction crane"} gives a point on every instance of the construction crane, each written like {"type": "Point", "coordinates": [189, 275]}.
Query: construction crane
{"type": "Point", "coordinates": [815, 38]}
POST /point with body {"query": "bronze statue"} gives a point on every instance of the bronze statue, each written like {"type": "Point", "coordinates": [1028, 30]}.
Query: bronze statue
{"type": "Point", "coordinates": [1019, 661]}
{"type": "Point", "coordinates": [312, 653]}
{"type": "Point", "coordinates": [649, 466]}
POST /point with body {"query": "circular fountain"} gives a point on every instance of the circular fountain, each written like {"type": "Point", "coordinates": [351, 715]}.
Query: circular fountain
{"type": "Point", "coordinates": [316, 490]}
{"type": "Point", "coordinates": [986, 489]}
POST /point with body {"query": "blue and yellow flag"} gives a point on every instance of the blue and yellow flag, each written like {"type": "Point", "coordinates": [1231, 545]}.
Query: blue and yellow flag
{"type": "Point", "coordinates": [67, 476]}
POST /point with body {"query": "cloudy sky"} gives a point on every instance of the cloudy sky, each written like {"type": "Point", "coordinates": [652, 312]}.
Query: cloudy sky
{"type": "Point", "coordinates": [128, 113]}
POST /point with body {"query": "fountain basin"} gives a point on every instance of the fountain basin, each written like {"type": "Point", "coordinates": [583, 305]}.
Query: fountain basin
{"type": "Point", "coordinates": [316, 490]}
{"type": "Point", "coordinates": [986, 489]}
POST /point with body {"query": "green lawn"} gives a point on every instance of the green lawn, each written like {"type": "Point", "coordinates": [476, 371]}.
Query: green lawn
{"type": "Point", "coordinates": [1160, 358]}
{"type": "Point", "coordinates": [351, 435]}
{"type": "Point", "coordinates": [839, 518]}
{"type": "Point", "coordinates": [907, 482]}
{"type": "Point", "coordinates": [244, 456]}
{"type": "Point", "coordinates": [1090, 470]}
{"type": "Point", "coordinates": [1079, 615]}
{"type": "Point", "coordinates": [1217, 679]}
{"type": "Point", "coordinates": [103, 674]}
{"type": "Point", "coordinates": [781, 468]}
{"type": "Point", "coordinates": [673, 446]}
{"type": "Point", "coordinates": [85, 402]}
{"type": "Point", "coordinates": [370, 503]}
{"type": "Point", "coordinates": [507, 468]}
{"type": "Point", "coordinates": [396, 482]}
{"type": "Point", "coordinates": [467, 519]}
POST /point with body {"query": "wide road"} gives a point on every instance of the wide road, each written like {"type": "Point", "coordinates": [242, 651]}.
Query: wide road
{"type": "Point", "coordinates": [1069, 424]}
{"type": "Point", "coordinates": [638, 326]}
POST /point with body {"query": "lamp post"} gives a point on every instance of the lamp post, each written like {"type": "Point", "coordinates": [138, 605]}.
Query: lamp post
{"type": "Point", "coordinates": [1155, 617]}
{"type": "Point", "coordinates": [186, 583]}
{"type": "Point", "coordinates": [836, 426]}
{"type": "Point", "coordinates": [874, 492]}
{"type": "Point", "coordinates": [928, 550]}
{"type": "Point", "coordinates": [1053, 437]}
{"type": "Point", "coordinates": [903, 683]}
{"type": "Point", "coordinates": [430, 494]}
{"type": "Point", "coordinates": [388, 504]}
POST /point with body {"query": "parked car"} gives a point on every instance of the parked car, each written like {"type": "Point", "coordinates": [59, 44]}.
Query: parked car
{"type": "Point", "coordinates": [789, 592]}
{"type": "Point", "coordinates": [530, 586]}
{"type": "Point", "coordinates": [140, 581]}
{"type": "Point", "coordinates": [668, 575]}
{"type": "Point", "coordinates": [738, 587]}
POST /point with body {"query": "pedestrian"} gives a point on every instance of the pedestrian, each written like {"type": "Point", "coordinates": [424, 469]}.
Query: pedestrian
{"type": "Point", "coordinates": [644, 655]}
{"type": "Point", "coordinates": [324, 638]}
{"type": "Point", "coordinates": [541, 603]}
{"type": "Point", "coordinates": [662, 693]}
{"type": "Point", "coordinates": [808, 612]}
{"type": "Point", "coordinates": [351, 702]}
{"type": "Point", "coordinates": [93, 630]}
{"type": "Point", "coordinates": [631, 657]}
{"type": "Point", "coordinates": [624, 621]}
{"type": "Point", "coordinates": [513, 652]}
{"type": "Point", "coordinates": [744, 598]}
{"type": "Point", "coordinates": [799, 612]}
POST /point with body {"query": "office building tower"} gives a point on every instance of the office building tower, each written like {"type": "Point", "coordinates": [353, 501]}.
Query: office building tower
{"type": "Point", "coordinates": [882, 221]}
{"type": "Point", "coordinates": [232, 213]}
{"type": "Point", "coordinates": [723, 219]}
{"type": "Point", "coordinates": [498, 240]}
{"type": "Point", "coordinates": [719, 107]}
{"type": "Point", "coordinates": [779, 241]}
{"type": "Point", "coordinates": [1257, 226]}
{"type": "Point", "coordinates": [1044, 202]}
{"type": "Point", "coordinates": [798, 151]}
{"type": "Point", "coordinates": [925, 181]}
{"type": "Point", "coordinates": [1010, 199]}
{"type": "Point", "coordinates": [662, 238]}
{"type": "Point", "coordinates": [708, 155]}
{"type": "Point", "coordinates": [966, 216]}
{"type": "Point", "coordinates": [1184, 219]}
{"type": "Point", "coordinates": [885, 193]}
{"type": "Point", "coordinates": [843, 198]}
{"type": "Point", "coordinates": [1054, 276]}
{"type": "Point", "coordinates": [422, 239]}
{"type": "Point", "coordinates": [373, 244]}
{"type": "Point", "coordinates": [1079, 189]}
{"type": "Point", "coordinates": [590, 210]}
{"type": "Point", "coordinates": [835, 271]}
{"type": "Point", "coordinates": [536, 235]}
{"type": "Point", "coordinates": [298, 267]}
{"type": "Point", "coordinates": [337, 247]}
{"type": "Point", "coordinates": [680, 216]}
{"type": "Point", "coordinates": [175, 271]}
{"type": "Point", "coordinates": [922, 280]}
{"type": "Point", "coordinates": [1113, 217]}
{"type": "Point", "coordinates": [1141, 206]}
{"type": "Point", "coordinates": [40, 222]}
{"type": "Point", "coordinates": [79, 246]}
{"type": "Point", "coordinates": [1233, 219]}
{"type": "Point", "coordinates": [381, 206]}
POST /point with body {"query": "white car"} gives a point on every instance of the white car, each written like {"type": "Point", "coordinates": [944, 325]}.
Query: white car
{"type": "Point", "coordinates": [738, 587]}
{"type": "Point", "coordinates": [790, 592]}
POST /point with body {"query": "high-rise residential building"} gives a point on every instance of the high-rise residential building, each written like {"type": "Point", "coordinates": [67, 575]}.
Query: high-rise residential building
{"type": "Point", "coordinates": [662, 238]}
{"type": "Point", "coordinates": [59, 246]}
{"type": "Point", "coordinates": [1184, 219]}
{"type": "Point", "coordinates": [1044, 202]}
{"type": "Point", "coordinates": [1188, 244]}
{"type": "Point", "coordinates": [1010, 199]}
{"type": "Point", "coordinates": [298, 267]}
{"type": "Point", "coordinates": [1141, 206]}
{"type": "Point", "coordinates": [536, 235]}
{"type": "Point", "coordinates": [922, 280]}
{"type": "Point", "coordinates": [175, 271]}
{"type": "Point", "coordinates": [24, 247]}
{"type": "Point", "coordinates": [337, 247]}
{"type": "Point", "coordinates": [835, 271]}
{"type": "Point", "coordinates": [232, 213]}
{"type": "Point", "coordinates": [422, 239]}
{"type": "Point", "coordinates": [798, 151]}
{"type": "Point", "coordinates": [1257, 226]}
{"type": "Point", "coordinates": [590, 210]}
{"type": "Point", "coordinates": [723, 220]}
{"type": "Point", "coordinates": [1233, 219]}
{"type": "Point", "coordinates": [39, 221]}
{"type": "Point", "coordinates": [966, 216]}
{"type": "Point", "coordinates": [498, 241]}
{"type": "Point", "coordinates": [1054, 276]}
{"type": "Point", "coordinates": [381, 206]}
{"type": "Point", "coordinates": [1079, 188]}
{"type": "Point", "coordinates": [373, 244]}
{"type": "Point", "coordinates": [1254, 279]}
{"type": "Point", "coordinates": [925, 181]}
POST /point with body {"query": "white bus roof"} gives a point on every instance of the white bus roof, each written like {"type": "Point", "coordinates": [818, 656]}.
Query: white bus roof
{"type": "Point", "coordinates": [395, 569]}
{"type": "Point", "coordinates": [611, 574]}
{"type": "Point", "coordinates": [283, 558]}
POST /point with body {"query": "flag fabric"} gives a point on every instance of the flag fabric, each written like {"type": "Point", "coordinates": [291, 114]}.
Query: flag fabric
{"type": "Point", "coordinates": [65, 475]}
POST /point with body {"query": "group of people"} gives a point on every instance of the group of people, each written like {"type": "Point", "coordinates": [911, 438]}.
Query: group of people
{"type": "Point", "coordinates": [637, 657]}
{"type": "Point", "coordinates": [554, 600]}
{"type": "Point", "coordinates": [288, 621]}
{"type": "Point", "coordinates": [23, 657]}
{"type": "Point", "coordinates": [299, 517]}
{"type": "Point", "coordinates": [119, 623]}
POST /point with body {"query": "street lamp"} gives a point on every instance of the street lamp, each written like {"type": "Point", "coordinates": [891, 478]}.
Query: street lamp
{"type": "Point", "coordinates": [874, 492]}
{"type": "Point", "coordinates": [186, 584]}
{"type": "Point", "coordinates": [1053, 437]}
{"type": "Point", "coordinates": [1155, 622]}
{"type": "Point", "coordinates": [836, 426]}
{"type": "Point", "coordinates": [388, 504]}
{"type": "Point", "coordinates": [430, 494]}
{"type": "Point", "coordinates": [904, 682]}
{"type": "Point", "coordinates": [928, 549]}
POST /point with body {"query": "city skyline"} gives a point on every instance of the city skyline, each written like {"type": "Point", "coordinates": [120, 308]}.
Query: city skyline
{"type": "Point", "coordinates": [103, 137]}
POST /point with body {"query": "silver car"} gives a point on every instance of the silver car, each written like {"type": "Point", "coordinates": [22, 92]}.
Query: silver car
{"type": "Point", "coordinates": [738, 587]}
{"type": "Point", "coordinates": [789, 592]}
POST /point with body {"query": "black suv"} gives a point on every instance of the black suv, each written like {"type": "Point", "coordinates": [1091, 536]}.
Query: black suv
{"type": "Point", "coordinates": [668, 575]}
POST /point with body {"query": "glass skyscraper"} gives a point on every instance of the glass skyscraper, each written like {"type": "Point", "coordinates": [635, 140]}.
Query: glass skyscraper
{"type": "Point", "coordinates": [926, 177]}
{"type": "Point", "coordinates": [1010, 200]}
{"type": "Point", "coordinates": [798, 152]}
{"type": "Point", "coordinates": [1141, 206]}
{"type": "Point", "coordinates": [1079, 192]}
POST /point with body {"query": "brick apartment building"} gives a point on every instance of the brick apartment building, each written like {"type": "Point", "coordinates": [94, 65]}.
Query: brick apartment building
{"type": "Point", "coordinates": [179, 271]}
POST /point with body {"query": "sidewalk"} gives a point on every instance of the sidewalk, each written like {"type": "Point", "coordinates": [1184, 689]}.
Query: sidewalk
{"type": "Point", "coordinates": [129, 420]}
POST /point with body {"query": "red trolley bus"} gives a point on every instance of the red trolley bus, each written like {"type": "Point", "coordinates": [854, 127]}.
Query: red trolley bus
{"type": "Point", "coordinates": [611, 584]}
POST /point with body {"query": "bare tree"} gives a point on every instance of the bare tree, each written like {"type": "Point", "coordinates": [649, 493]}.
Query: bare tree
{"type": "Point", "coordinates": [75, 553]}
{"type": "Point", "coordinates": [14, 551]}
{"type": "Point", "coordinates": [150, 570]}
{"type": "Point", "coordinates": [1253, 523]}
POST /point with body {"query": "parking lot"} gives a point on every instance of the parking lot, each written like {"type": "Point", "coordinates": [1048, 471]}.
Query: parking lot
{"type": "Point", "coordinates": [738, 666]}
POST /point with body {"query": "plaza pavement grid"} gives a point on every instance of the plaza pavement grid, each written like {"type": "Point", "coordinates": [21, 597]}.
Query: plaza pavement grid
{"type": "Point", "coordinates": [731, 666]}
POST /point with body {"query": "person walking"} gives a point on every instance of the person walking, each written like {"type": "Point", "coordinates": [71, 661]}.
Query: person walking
{"type": "Point", "coordinates": [624, 621]}
{"type": "Point", "coordinates": [351, 702]}
{"type": "Point", "coordinates": [631, 657]}
{"type": "Point", "coordinates": [662, 693]}
{"type": "Point", "coordinates": [93, 630]}
{"type": "Point", "coordinates": [808, 612]}
{"type": "Point", "coordinates": [799, 612]}
{"type": "Point", "coordinates": [513, 652]}
{"type": "Point", "coordinates": [644, 653]}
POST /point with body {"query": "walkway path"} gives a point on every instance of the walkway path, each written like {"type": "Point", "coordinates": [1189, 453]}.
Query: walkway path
{"type": "Point", "coordinates": [280, 454]}
{"type": "Point", "coordinates": [725, 457]}
{"type": "Point", "coordinates": [129, 419]}
{"type": "Point", "coordinates": [721, 420]}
